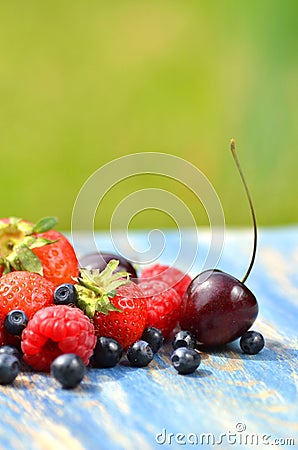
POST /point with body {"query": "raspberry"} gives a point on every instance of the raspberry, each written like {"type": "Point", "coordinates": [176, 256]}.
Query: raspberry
{"type": "Point", "coordinates": [163, 305]}
{"type": "Point", "coordinates": [173, 277]}
{"type": "Point", "coordinates": [56, 330]}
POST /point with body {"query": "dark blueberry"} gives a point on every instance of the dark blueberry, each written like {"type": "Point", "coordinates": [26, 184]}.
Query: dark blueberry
{"type": "Point", "coordinates": [68, 369]}
{"type": "Point", "coordinates": [184, 339]}
{"type": "Point", "coordinates": [140, 354]}
{"type": "Point", "coordinates": [9, 368]}
{"type": "Point", "coordinates": [100, 260]}
{"type": "Point", "coordinates": [154, 338]}
{"type": "Point", "coordinates": [10, 350]}
{"type": "Point", "coordinates": [15, 322]}
{"type": "Point", "coordinates": [107, 352]}
{"type": "Point", "coordinates": [185, 360]}
{"type": "Point", "coordinates": [252, 342]}
{"type": "Point", "coordinates": [65, 294]}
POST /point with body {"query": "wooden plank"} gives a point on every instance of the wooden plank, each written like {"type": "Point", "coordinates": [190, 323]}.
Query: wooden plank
{"type": "Point", "coordinates": [129, 408]}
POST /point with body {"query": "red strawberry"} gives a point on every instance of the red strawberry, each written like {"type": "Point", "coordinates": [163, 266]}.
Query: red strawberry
{"type": "Point", "coordinates": [37, 248]}
{"type": "Point", "coordinates": [56, 330]}
{"type": "Point", "coordinates": [173, 277]}
{"type": "Point", "coordinates": [116, 305]}
{"type": "Point", "coordinates": [126, 325]}
{"type": "Point", "coordinates": [58, 260]}
{"type": "Point", "coordinates": [26, 291]}
{"type": "Point", "coordinates": [163, 304]}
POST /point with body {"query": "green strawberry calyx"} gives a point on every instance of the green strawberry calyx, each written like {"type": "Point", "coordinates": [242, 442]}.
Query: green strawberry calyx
{"type": "Point", "coordinates": [18, 238]}
{"type": "Point", "coordinates": [96, 288]}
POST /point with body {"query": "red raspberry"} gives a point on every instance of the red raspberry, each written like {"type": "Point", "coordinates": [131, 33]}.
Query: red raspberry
{"type": "Point", "coordinates": [56, 330]}
{"type": "Point", "coordinates": [163, 305]}
{"type": "Point", "coordinates": [173, 277]}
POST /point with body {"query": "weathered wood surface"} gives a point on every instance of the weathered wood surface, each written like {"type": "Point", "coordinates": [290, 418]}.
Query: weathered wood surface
{"type": "Point", "coordinates": [254, 398]}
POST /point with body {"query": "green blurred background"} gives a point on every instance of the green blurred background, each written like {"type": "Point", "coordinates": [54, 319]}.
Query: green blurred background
{"type": "Point", "coordinates": [84, 82]}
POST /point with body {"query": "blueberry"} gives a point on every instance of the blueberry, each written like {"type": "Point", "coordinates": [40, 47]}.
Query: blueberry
{"type": "Point", "coordinates": [10, 350]}
{"type": "Point", "coordinates": [252, 342]}
{"type": "Point", "coordinates": [184, 339]}
{"type": "Point", "coordinates": [65, 294]}
{"type": "Point", "coordinates": [154, 338]}
{"type": "Point", "coordinates": [107, 352]}
{"type": "Point", "coordinates": [68, 369]}
{"type": "Point", "coordinates": [9, 368]}
{"type": "Point", "coordinates": [15, 322]}
{"type": "Point", "coordinates": [185, 360]}
{"type": "Point", "coordinates": [140, 354]}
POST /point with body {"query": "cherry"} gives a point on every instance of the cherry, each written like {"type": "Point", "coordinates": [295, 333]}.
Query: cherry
{"type": "Point", "coordinates": [100, 260]}
{"type": "Point", "coordinates": [218, 308]}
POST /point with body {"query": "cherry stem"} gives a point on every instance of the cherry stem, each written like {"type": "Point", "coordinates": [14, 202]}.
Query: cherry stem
{"type": "Point", "coordinates": [253, 256]}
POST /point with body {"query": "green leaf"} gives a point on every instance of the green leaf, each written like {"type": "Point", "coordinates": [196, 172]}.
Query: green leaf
{"type": "Point", "coordinates": [112, 294]}
{"type": "Point", "coordinates": [33, 242]}
{"type": "Point", "coordinates": [95, 289]}
{"type": "Point", "coordinates": [6, 270]}
{"type": "Point", "coordinates": [27, 259]}
{"type": "Point", "coordinates": [14, 263]}
{"type": "Point", "coordinates": [45, 224]}
{"type": "Point", "coordinates": [89, 310]}
{"type": "Point", "coordinates": [93, 296]}
{"type": "Point", "coordinates": [6, 265]}
{"type": "Point", "coordinates": [100, 304]}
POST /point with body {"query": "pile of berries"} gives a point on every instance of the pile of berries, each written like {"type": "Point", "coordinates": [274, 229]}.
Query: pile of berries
{"type": "Point", "coordinates": [59, 317]}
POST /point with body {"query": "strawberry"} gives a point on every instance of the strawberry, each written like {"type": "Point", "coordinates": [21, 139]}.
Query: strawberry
{"type": "Point", "coordinates": [163, 304]}
{"type": "Point", "coordinates": [27, 291]}
{"type": "Point", "coordinates": [115, 304]}
{"type": "Point", "coordinates": [37, 248]}
{"type": "Point", "coordinates": [173, 277]}
{"type": "Point", "coordinates": [58, 260]}
{"type": "Point", "coordinates": [56, 330]}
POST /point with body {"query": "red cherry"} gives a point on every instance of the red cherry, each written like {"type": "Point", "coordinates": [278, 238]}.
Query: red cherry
{"type": "Point", "coordinates": [217, 308]}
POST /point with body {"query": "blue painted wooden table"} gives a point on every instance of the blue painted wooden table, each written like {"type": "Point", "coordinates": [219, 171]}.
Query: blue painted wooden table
{"type": "Point", "coordinates": [232, 400]}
